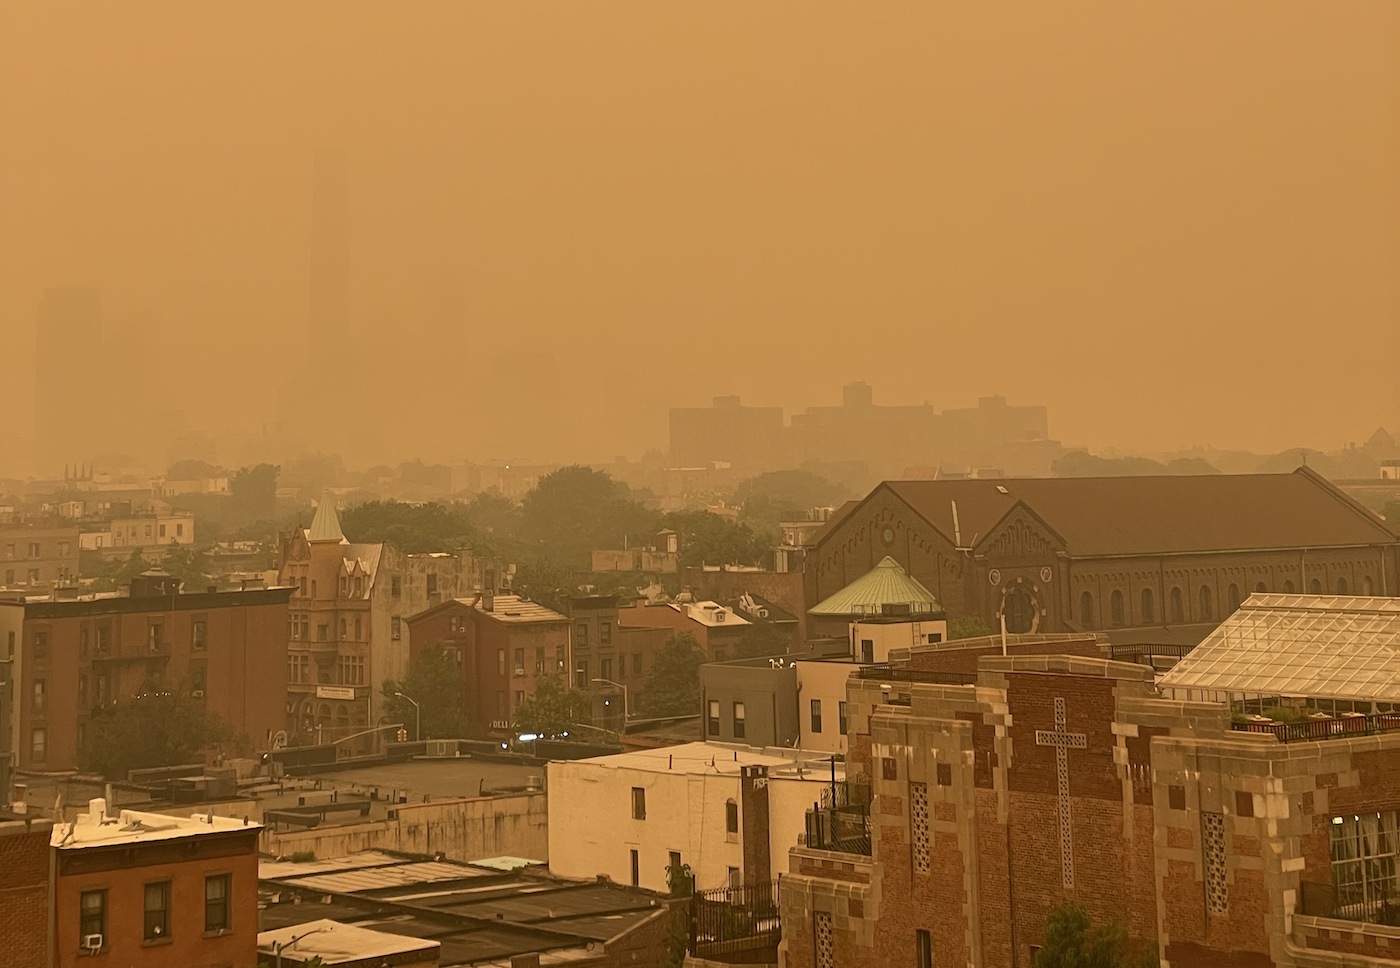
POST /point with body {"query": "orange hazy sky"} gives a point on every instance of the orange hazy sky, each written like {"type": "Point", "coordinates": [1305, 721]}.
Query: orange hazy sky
{"type": "Point", "coordinates": [1172, 223]}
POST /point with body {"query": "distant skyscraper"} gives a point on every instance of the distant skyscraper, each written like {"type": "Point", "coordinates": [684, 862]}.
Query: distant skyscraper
{"type": "Point", "coordinates": [328, 324]}
{"type": "Point", "coordinates": [66, 361]}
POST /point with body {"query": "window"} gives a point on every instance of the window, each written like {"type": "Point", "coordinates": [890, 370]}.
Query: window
{"type": "Point", "coordinates": [731, 818]}
{"type": "Point", "coordinates": [197, 633]}
{"type": "Point", "coordinates": [395, 628]}
{"type": "Point", "coordinates": [33, 549]}
{"type": "Point", "coordinates": [40, 694]}
{"type": "Point", "coordinates": [636, 868]}
{"type": "Point", "coordinates": [605, 667]}
{"type": "Point", "coordinates": [519, 697]}
{"type": "Point", "coordinates": [639, 803]}
{"type": "Point", "coordinates": [10, 550]}
{"type": "Point", "coordinates": [1260, 587]}
{"type": "Point", "coordinates": [63, 549]}
{"type": "Point", "coordinates": [675, 862]}
{"type": "Point", "coordinates": [1115, 608]}
{"type": "Point", "coordinates": [923, 949]}
{"type": "Point", "coordinates": [396, 586]}
{"type": "Point", "coordinates": [605, 633]}
{"type": "Point", "coordinates": [92, 914]}
{"type": "Point", "coordinates": [867, 650]}
{"type": "Point", "coordinates": [559, 657]}
{"type": "Point", "coordinates": [1086, 610]}
{"type": "Point", "coordinates": [162, 531]}
{"type": "Point", "coordinates": [734, 879]}
{"type": "Point", "coordinates": [179, 530]}
{"type": "Point", "coordinates": [1368, 587]}
{"type": "Point", "coordinates": [1178, 605]}
{"type": "Point", "coordinates": [502, 709]}
{"type": "Point", "coordinates": [302, 583]}
{"type": "Point", "coordinates": [1315, 586]}
{"type": "Point", "coordinates": [9, 576]}
{"type": "Point", "coordinates": [39, 745]}
{"type": "Point", "coordinates": [82, 690]}
{"type": "Point", "coordinates": [738, 720]}
{"type": "Point", "coordinates": [155, 635]}
{"type": "Point", "coordinates": [1365, 862]}
{"type": "Point", "coordinates": [432, 583]}
{"type": "Point", "coordinates": [352, 670]}
{"type": "Point", "coordinates": [816, 715]}
{"type": "Point", "coordinates": [1205, 604]}
{"type": "Point", "coordinates": [103, 690]}
{"type": "Point", "coordinates": [323, 632]}
{"type": "Point", "coordinates": [313, 588]}
{"type": "Point", "coordinates": [1147, 618]}
{"type": "Point", "coordinates": [34, 576]}
{"type": "Point", "coordinates": [40, 643]}
{"type": "Point", "coordinates": [359, 630]}
{"type": "Point", "coordinates": [539, 660]}
{"type": "Point", "coordinates": [841, 717]}
{"type": "Point", "coordinates": [1341, 586]}
{"type": "Point", "coordinates": [1288, 587]}
{"type": "Point", "coordinates": [519, 662]}
{"type": "Point", "coordinates": [344, 629]}
{"type": "Point", "coordinates": [11, 645]}
{"type": "Point", "coordinates": [889, 768]}
{"type": "Point", "coordinates": [622, 665]}
{"type": "Point", "coordinates": [1232, 599]}
{"type": "Point", "coordinates": [500, 662]}
{"type": "Point", "coordinates": [581, 674]}
{"type": "Point", "coordinates": [581, 634]}
{"type": "Point", "coordinates": [712, 724]}
{"type": "Point", "coordinates": [157, 911]}
{"type": "Point", "coordinates": [216, 906]}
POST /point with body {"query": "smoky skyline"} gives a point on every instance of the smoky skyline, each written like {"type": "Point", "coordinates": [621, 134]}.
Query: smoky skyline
{"type": "Point", "coordinates": [1172, 226]}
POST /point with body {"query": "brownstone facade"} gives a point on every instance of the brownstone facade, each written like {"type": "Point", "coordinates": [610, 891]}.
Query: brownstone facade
{"type": "Point", "coordinates": [1060, 778]}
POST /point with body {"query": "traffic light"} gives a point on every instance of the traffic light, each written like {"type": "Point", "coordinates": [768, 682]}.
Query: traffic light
{"type": "Point", "coordinates": [403, 735]}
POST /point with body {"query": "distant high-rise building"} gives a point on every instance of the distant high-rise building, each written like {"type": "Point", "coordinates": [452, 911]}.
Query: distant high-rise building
{"type": "Point", "coordinates": [330, 258]}
{"type": "Point", "coordinates": [66, 358]}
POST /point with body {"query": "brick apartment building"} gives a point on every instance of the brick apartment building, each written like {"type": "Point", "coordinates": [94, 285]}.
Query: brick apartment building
{"type": "Point", "coordinates": [503, 645]}
{"type": "Point", "coordinates": [1082, 554]}
{"type": "Point", "coordinates": [718, 628]}
{"type": "Point", "coordinates": [350, 606]}
{"type": "Point", "coordinates": [611, 660]}
{"type": "Point", "coordinates": [25, 857]}
{"type": "Point", "coordinates": [154, 890]}
{"type": "Point", "coordinates": [74, 656]}
{"type": "Point", "coordinates": [978, 800]}
{"type": "Point", "coordinates": [37, 553]}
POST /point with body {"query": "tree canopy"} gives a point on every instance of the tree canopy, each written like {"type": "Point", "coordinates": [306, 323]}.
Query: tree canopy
{"type": "Point", "coordinates": [576, 509]}
{"type": "Point", "coordinates": [673, 688]}
{"type": "Point", "coordinates": [553, 708]}
{"type": "Point", "coordinates": [781, 495]}
{"type": "Point", "coordinates": [707, 538]}
{"type": "Point", "coordinates": [415, 528]}
{"type": "Point", "coordinates": [764, 638]}
{"type": "Point", "coordinates": [1070, 942]}
{"type": "Point", "coordinates": [1083, 464]}
{"type": "Point", "coordinates": [162, 726]}
{"type": "Point", "coordinates": [434, 681]}
{"type": "Point", "coordinates": [253, 492]}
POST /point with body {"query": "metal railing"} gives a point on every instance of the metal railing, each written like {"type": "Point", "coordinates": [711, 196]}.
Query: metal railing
{"type": "Point", "coordinates": [1321, 901]}
{"type": "Point", "coordinates": [1144, 653]}
{"type": "Point", "coordinates": [885, 672]}
{"type": "Point", "coordinates": [840, 821]}
{"type": "Point", "coordinates": [738, 918]}
{"type": "Point", "coordinates": [1319, 729]}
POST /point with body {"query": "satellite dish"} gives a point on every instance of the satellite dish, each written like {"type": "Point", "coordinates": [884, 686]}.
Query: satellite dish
{"type": "Point", "coordinates": [279, 741]}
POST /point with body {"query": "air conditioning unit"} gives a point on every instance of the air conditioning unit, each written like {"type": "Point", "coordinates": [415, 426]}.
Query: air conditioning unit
{"type": "Point", "coordinates": [519, 672]}
{"type": "Point", "coordinates": [92, 943]}
{"type": "Point", "coordinates": [440, 747]}
{"type": "Point", "coordinates": [197, 693]}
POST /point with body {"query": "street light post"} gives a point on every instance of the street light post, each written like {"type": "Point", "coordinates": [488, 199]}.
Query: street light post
{"type": "Point", "coordinates": [277, 949]}
{"type": "Point", "coordinates": [625, 704]}
{"type": "Point", "coordinates": [417, 717]}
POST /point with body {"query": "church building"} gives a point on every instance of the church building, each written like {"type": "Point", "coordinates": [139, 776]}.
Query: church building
{"type": "Point", "coordinates": [1114, 553]}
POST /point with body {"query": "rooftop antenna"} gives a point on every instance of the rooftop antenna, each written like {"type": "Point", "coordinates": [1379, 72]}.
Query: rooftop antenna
{"type": "Point", "coordinates": [957, 532]}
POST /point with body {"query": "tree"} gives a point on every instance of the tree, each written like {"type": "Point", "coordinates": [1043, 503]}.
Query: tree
{"type": "Point", "coordinates": [253, 491]}
{"type": "Point", "coordinates": [707, 538]}
{"type": "Point", "coordinates": [553, 708]}
{"type": "Point", "coordinates": [576, 509]}
{"type": "Point", "coordinates": [1071, 943]}
{"type": "Point", "coordinates": [434, 681]}
{"type": "Point", "coordinates": [967, 627]}
{"type": "Point", "coordinates": [770, 498]}
{"type": "Point", "coordinates": [673, 688]}
{"type": "Point", "coordinates": [415, 528]}
{"type": "Point", "coordinates": [763, 638]}
{"type": "Point", "coordinates": [160, 726]}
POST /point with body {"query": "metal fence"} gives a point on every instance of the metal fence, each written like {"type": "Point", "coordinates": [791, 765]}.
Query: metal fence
{"type": "Point", "coordinates": [886, 672]}
{"type": "Point", "coordinates": [1319, 729]}
{"type": "Point", "coordinates": [840, 821]}
{"type": "Point", "coordinates": [738, 918]}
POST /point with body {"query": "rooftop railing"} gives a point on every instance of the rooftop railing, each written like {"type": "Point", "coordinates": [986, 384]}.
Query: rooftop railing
{"type": "Point", "coordinates": [840, 821]}
{"type": "Point", "coordinates": [886, 672]}
{"type": "Point", "coordinates": [1311, 730]}
{"type": "Point", "coordinates": [743, 917]}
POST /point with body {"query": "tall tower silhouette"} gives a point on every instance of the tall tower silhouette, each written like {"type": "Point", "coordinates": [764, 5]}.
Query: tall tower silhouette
{"type": "Point", "coordinates": [328, 328]}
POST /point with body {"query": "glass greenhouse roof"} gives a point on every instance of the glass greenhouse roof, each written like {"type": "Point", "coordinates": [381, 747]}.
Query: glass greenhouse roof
{"type": "Point", "coordinates": [1313, 646]}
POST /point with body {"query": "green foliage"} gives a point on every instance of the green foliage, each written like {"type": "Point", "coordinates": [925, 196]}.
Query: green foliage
{"type": "Point", "coordinates": [1290, 460]}
{"type": "Point", "coordinates": [161, 726]}
{"type": "Point", "coordinates": [434, 681]}
{"type": "Point", "coordinates": [1070, 942]}
{"type": "Point", "coordinates": [680, 880]}
{"type": "Point", "coordinates": [253, 492]}
{"type": "Point", "coordinates": [496, 519]}
{"type": "Point", "coordinates": [302, 856]}
{"type": "Point", "coordinates": [967, 627]}
{"type": "Point", "coordinates": [553, 708]}
{"type": "Point", "coordinates": [783, 495]}
{"type": "Point", "coordinates": [707, 538]}
{"type": "Point", "coordinates": [415, 528]}
{"type": "Point", "coordinates": [576, 509]}
{"type": "Point", "coordinates": [763, 638]}
{"type": "Point", "coordinates": [1082, 464]}
{"type": "Point", "coordinates": [673, 688]}
{"type": "Point", "coordinates": [193, 470]}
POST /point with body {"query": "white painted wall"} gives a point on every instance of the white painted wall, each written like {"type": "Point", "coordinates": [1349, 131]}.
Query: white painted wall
{"type": "Point", "coordinates": [825, 681]}
{"type": "Point", "coordinates": [885, 636]}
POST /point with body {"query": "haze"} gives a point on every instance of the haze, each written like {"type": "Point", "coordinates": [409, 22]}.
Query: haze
{"type": "Point", "coordinates": [1172, 224]}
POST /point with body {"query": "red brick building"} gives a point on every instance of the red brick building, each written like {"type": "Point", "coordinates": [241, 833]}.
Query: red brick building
{"type": "Point", "coordinates": [155, 891]}
{"type": "Point", "coordinates": [25, 857]}
{"type": "Point", "coordinates": [228, 649]}
{"type": "Point", "coordinates": [1080, 554]}
{"type": "Point", "coordinates": [973, 809]}
{"type": "Point", "coordinates": [503, 644]}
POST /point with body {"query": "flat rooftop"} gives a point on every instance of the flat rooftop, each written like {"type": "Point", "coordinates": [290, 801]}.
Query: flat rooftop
{"type": "Point", "coordinates": [709, 758]}
{"type": "Point", "coordinates": [98, 829]}
{"type": "Point", "coordinates": [337, 944]}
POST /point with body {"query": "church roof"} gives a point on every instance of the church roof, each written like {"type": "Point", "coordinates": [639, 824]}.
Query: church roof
{"type": "Point", "coordinates": [1101, 516]}
{"type": "Point", "coordinates": [325, 526]}
{"type": "Point", "coordinates": [1314, 646]}
{"type": "Point", "coordinates": [884, 585]}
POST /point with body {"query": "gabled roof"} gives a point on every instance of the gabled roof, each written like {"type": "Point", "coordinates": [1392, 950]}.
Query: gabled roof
{"type": "Point", "coordinates": [325, 526]}
{"type": "Point", "coordinates": [1314, 646]}
{"type": "Point", "coordinates": [1104, 516]}
{"type": "Point", "coordinates": [884, 585]}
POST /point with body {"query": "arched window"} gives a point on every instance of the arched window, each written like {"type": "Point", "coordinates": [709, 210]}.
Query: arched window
{"type": "Point", "coordinates": [1261, 587]}
{"type": "Point", "coordinates": [1205, 604]}
{"type": "Point", "coordinates": [1232, 599]}
{"type": "Point", "coordinates": [1147, 618]}
{"type": "Point", "coordinates": [1368, 587]}
{"type": "Point", "coordinates": [1019, 610]}
{"type": "Point", "coordinates": [1315, 586]}
{"type": "Point", "coordinates": [313, 588]}
{"type": "Point", "coordinates": [1288, 587]}
{"type": "Point", "coordinates": [1341, 586]}
{"type": "Point", "coordinates": [1115, 608]}
{"type": "Point", "coordinates": [1086, 610]}
{"type": "Point", "coordinates": [1178, 605]}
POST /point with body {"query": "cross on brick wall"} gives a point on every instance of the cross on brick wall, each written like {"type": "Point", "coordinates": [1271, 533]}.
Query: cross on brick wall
{"type": "Point", "coordinates": [1063, 741]}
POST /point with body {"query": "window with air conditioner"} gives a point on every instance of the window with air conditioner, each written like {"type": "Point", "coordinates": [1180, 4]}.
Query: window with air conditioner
{"type": "Point", "coordinates": [92, 919]}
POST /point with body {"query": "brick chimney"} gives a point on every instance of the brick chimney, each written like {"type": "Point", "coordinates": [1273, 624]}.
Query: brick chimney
{"type": "Point", "coordinates": [753, 824]}
{"type": "Point", "coordinates": [488, 599]}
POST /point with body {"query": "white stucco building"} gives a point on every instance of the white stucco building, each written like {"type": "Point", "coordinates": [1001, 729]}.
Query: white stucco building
{"type": "Point", "coordinates": [730, 812]}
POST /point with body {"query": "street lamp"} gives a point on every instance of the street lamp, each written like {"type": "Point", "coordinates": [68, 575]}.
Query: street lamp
{"type": "Point", "coordinates": [277, 949]}
{"type": "Point", "coordinates": [609, 682]}
{"type": "Point", "coordinates": [417, 717]}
